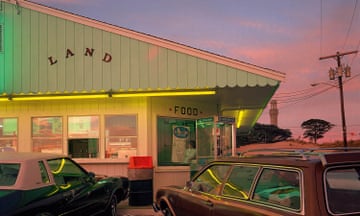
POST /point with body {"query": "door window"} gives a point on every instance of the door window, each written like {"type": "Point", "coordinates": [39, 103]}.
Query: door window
{"type": "Point", "coordinates": [211, 179]}
{"type": "Point", "coordinates": [67, 173]}
{"type": "Point", "coordinates": [239, 182]}
{"type": "Point", "coordinates": [343, 190]}
{"type": "Point", "coordinates": [279, 187]}
{"type": "Point", "coordinates": [174, 136]}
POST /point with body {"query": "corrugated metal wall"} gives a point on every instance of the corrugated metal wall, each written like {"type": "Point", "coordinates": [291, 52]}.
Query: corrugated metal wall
{"type": "Point", "coordinates": [31, 38]}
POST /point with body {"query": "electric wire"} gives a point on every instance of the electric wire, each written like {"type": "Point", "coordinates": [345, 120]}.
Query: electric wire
{"type": "Point", "coordinates": [350, 25]}
{"type": "Point", "coordinates": [288, 99]}
{"type": "Point", "coordinates": [321, 25]}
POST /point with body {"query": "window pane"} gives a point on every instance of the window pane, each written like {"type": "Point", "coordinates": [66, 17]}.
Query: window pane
{"type": "Point", "coordinates": [174, 136]}
{"type": "Point", "coordinates": [120, 136]}
{"type": "Point", "coordinates": [8, 174]}
{"type": "Point", "coordinates": [343, 190]}
{"type": "Point", "coordinates": [8, 134]}
{"type": "Point", "coordinates": [43, 172]}
{"type": "Point", "coordinates": [239, 182]}
{"type": "Point", "coordinates": [211, 179]}
{"type": "Point", "coordinates": [83, 127]}
{"type": "Point", "coordinates": [279, 187]}
{"type": "Point", "coordinates": [67, 173]}
{"type": "Point", "coordinates": [47, 134]}
{"type": "Point", "coordinates": [83, 132]}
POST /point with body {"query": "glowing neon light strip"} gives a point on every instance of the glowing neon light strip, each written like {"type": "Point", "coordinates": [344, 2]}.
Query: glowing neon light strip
{"type": "Point", "coordinates": [62, 164]}
{"type": "Point", "coordinates": [240, 118]}
{"type": "Point", "coordinates": [104, 95]}
{"type": "Point", "coordinates": [59, 97]}
{"type": "Point", "coordinates": [161, 94]}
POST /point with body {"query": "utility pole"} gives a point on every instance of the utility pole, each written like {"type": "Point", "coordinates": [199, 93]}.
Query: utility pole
{"type": "Point", "coordinates": [339, 72]}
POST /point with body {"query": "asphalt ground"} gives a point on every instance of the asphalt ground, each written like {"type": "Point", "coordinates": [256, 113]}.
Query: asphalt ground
{"type": "Point", "coordinates": [124, 209]}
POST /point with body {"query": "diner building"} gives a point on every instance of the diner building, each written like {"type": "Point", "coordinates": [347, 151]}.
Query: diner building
{"type": "Point", "coordinates": [103, 94]}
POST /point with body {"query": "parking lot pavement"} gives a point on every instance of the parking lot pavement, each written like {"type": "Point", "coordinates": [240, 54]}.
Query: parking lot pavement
{"type": "Point", "coordinates": [125, 210]}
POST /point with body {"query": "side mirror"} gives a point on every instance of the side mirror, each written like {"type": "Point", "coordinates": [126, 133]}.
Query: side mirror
{"type": "Point", "coordinates": [91, 177]}
{"type": "Point", "coordinates": [189, 185]}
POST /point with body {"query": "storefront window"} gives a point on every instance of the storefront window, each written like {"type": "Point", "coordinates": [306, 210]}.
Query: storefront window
{"type": "Point", "coordinates": [8, 134]}
{"type": "Point", "coordinates": [176, 141]}
{"type": "Point", "coordinates": [83, 136]}
{"type": "Point", "coordinates": [120, 136]}
{"type": "Point", "coordinates": [47, 134]}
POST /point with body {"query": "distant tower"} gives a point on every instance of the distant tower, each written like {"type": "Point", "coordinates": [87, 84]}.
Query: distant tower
{"type": "Point", "coordinates": [274, 112]}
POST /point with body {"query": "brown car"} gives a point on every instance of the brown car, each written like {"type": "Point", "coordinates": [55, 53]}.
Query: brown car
{"type": "Point", "coordinates": [276, 182]}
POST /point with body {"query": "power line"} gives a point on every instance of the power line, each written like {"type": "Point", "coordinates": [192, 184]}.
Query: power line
{"type": "Point", "coordinates": [292, 98]}
{"type": "Point", "coordinates": [350, 25]}
{"type": "Point", "coordinates": [321, 25]}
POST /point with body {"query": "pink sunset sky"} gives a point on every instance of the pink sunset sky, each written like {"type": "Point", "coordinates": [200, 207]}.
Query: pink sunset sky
{"type": "Point", "coordinates": [288, 36]}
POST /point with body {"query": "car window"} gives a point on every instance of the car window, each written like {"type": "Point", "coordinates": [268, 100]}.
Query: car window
{"type": "Point", "coordinates": [43, 172]}
{"type": "Point", "coordinates": [239, 182]}
{"type": "Point", "coordinates": [8, 174]}
{"type": "Point", "coordinates": [66, 172]}
{"type": "Point", "coordinates": [210, 180]}
{"type": "Point", "coordinates": [279, 187]}
{"type": "Point", "coordinates": [343, 190]}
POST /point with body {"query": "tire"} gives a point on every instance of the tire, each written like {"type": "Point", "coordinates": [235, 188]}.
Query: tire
{"type": "Point", "coordinates": [112, 208]}
{"type": "Point", "coordinates": [166, 211]}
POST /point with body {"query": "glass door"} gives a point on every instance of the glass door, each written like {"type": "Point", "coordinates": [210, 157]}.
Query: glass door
{"type": "Point", "coordinates": [215, 138]}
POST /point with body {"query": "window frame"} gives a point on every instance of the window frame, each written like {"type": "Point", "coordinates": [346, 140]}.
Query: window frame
{"type": "Point", "coordinates": [37, 136]}
{"type": "Point", "coordinates": [10, 138]}
{"type": "Point", "coordinates": [331, 208]}
{"type": "Point", "coordinates": [127, 144]}
{"type": "Point", "coordinates": [273, 204]}
{"type": "Point", "coordinates": [165, 139]}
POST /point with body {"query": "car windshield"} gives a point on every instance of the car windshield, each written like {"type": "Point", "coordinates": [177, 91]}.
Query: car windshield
{"type": "Point", "coordinates": [8, 174]}
{"type": "Point", "coordinates": [343, 190]}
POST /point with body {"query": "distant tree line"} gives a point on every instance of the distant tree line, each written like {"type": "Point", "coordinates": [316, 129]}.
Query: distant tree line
{"type": "Point", "coordinates": [314, 129]}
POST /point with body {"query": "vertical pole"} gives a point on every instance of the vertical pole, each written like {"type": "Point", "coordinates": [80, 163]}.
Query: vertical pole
{"type": "Point", "coordinates": [338, 55]}
{"type": "Point", "coordinates": [342, 101]}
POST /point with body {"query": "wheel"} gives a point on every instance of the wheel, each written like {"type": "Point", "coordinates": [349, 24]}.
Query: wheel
{"type": "Point", "coordinates": [166, 211]}
{"type": "Point", "coordinates": [112, 208]}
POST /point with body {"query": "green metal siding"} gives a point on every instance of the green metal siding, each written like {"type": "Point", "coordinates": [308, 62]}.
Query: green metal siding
{"type": "Point", "coordinates": [32, 37]}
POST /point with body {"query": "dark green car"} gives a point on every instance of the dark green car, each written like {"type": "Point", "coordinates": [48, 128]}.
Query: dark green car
{"type": "Point", "coordinates": [48, 184]}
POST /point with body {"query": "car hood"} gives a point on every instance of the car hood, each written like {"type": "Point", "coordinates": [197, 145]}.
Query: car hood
{"type": "Point", "coordinates": [122, 181]}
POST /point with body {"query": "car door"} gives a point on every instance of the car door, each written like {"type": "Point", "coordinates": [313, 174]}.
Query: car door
{"type": "Point", "coordinates": [277, 192]}
{"type": "Point", "coordinates": [202, 193]}
{"type": "Point", "coordinates": [78, 189]}
{"type": "Point", "coordinates": [236, 191]}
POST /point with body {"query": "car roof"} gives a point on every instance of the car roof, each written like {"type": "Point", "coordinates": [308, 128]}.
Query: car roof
{"type": "Point", "coordinates": [16, 157]}
{"type": "Point", "coordinates": [297, 157]}
{"type": "Point", "coordinates": [29, 176]}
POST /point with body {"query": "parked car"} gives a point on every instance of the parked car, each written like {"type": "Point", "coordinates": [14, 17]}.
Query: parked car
{"type": "Point", "coordinates": [48, 184]}
{"type": "Point", "coordinates": [278, 182]}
